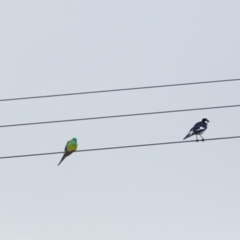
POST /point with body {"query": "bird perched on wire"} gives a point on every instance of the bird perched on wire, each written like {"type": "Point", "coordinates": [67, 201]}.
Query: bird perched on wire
{"type": "Point", "coordinates": [70, 147]}
{"type": "Point", "coordinates": [198, 129]}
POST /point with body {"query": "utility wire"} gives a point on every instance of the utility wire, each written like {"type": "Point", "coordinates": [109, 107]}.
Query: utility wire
{"type": "Point", "coordinates": [120, 147]}
{"type": "Point", "coordinates": [118, 90]}
{"type": "Point", "coordinates": [118, 116]}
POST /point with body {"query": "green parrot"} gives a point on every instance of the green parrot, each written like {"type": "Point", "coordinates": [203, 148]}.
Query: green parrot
{"type": "Point", "coordinates": [70, 147]}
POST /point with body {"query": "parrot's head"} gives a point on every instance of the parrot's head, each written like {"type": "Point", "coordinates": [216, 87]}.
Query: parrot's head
{"type": "Point", "coordinates": [74, 139]}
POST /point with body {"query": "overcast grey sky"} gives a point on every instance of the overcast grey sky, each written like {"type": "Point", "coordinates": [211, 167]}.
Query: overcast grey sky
{"type": "Point", "coordinates": [176, 192]}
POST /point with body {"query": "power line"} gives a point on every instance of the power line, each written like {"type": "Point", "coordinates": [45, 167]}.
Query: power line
{"type": "Point", "coordinates": [118, 116]}
{"type": "Point", "coordinates": [120, 147]}
{"type": "Point", "coordinates": [118, 90]}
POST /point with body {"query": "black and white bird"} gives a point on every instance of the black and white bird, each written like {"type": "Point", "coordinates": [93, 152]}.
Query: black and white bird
{"type": "Point", "coordinates": [198, 129]}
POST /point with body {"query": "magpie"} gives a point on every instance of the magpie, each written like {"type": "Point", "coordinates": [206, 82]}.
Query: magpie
{"type": "Point", "coordinates": [198, 129]}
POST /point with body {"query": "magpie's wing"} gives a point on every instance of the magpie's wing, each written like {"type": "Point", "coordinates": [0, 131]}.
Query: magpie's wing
{"type": "Point", "coordinates": [199, 127]}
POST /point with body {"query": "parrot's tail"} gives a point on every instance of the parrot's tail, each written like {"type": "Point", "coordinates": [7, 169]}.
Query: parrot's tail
{"type": "Point", "coordinates": [66, 154]}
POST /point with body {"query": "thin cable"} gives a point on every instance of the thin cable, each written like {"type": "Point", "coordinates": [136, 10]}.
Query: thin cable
{"type": "Point", "coordinates": [120, 147]}
{"type": "Point", "coordinates": [117, 116]}
{"type": "Point", "coordinates": [118, 90]}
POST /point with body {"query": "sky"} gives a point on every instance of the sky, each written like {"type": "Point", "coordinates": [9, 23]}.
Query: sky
{"type": "Point", "coordinates": [175, 192]}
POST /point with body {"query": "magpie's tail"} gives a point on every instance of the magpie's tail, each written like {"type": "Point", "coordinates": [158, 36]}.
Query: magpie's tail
{"type": "Point", "coordinates": [188, 135]}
